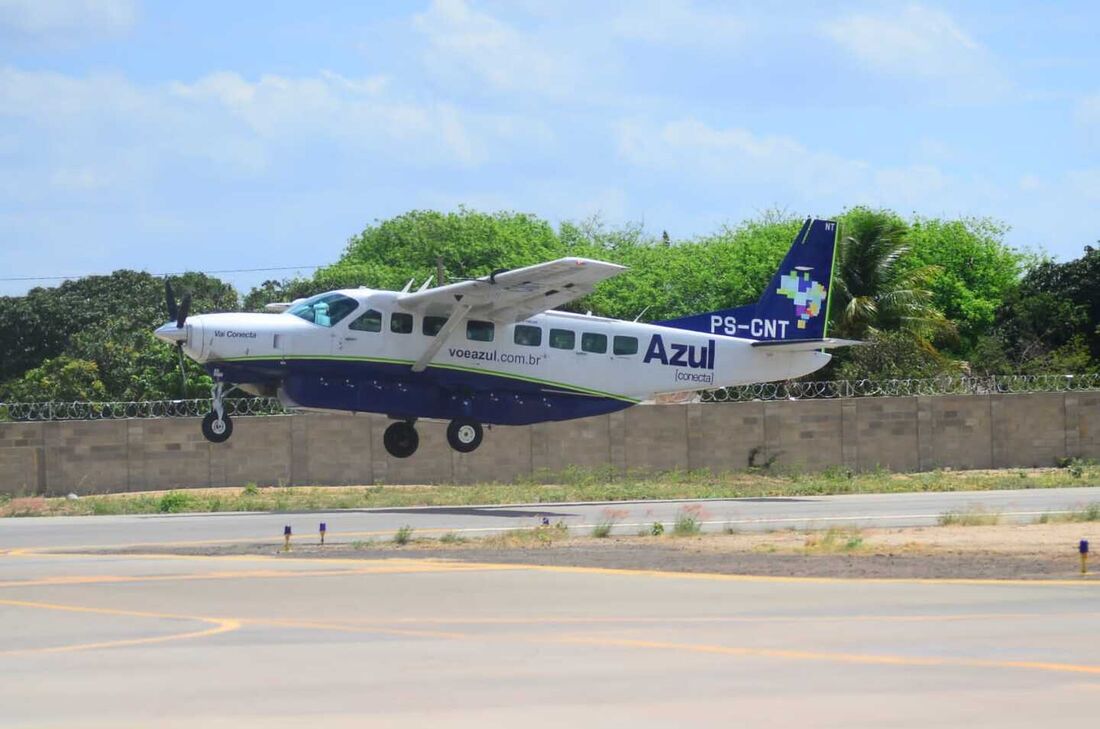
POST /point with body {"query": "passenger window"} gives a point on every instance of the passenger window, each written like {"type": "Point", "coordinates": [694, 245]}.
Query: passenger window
{"type": "Point", "coordinates": [625, 345]}
{"type": "Point", "coordinates": [563, 338]}
{"type": "Point", "coordinates": [528, 336]}
{"type": "Point", "coordinates": [594, 343]}
{"type": "Point", "coordinates": [371, 321]}
{"type": "Point", "coordinates": [479, 331]}
{"type": "Point", "coordinates": [401, 323]}
{"type": "Point", "coordinates": [432, 325]}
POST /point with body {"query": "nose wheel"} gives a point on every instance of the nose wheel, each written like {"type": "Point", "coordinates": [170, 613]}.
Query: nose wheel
{"type": "Point", "coordinates": [217, 426]}
{"type": "Point", "coordinates": [464, 435]}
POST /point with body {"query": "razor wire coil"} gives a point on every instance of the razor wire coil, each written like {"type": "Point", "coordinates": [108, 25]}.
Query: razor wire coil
{"type": "Point", "coordinates": [766, 391]}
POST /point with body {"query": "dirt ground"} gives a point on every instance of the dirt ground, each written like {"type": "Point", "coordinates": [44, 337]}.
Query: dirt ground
{"type": "Point", "coordinates": [1033, 551]}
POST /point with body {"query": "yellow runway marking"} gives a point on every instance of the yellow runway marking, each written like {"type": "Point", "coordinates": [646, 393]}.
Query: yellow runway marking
{"type": "Point", "coordinates": [416, 568]}
{"type": "Point", "coordinates": [869, 659]}
{"type": "Point", "coordinates": [1091, 579]}
{"type": "Point", "coordinates": [720, 619]}
{"type": "Point", "coordinates": [220, 625]}
{"type": "Point", "coordinates": [720, 577]}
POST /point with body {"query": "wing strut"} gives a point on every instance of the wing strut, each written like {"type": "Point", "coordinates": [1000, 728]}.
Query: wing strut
{"type": "Point", "coordinates": [457, 317]}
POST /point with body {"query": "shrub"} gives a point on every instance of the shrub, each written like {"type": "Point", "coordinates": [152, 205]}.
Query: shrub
{"type": "Point", "coordinates": [174, 502]}
{"type": "Point", "coordinates": [403, 535]}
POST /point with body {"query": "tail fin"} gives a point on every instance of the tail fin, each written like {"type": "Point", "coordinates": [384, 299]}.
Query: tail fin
{"type": "Point", "coordinates": [796, 303]}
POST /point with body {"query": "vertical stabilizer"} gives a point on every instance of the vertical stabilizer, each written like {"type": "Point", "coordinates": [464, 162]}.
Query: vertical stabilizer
{"type": "Point", "coordinates": [795, 304]}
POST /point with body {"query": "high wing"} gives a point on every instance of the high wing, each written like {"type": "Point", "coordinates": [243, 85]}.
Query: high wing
{"type": "Point", "coordinates": [510, 296]}
{"type": "Point", "coordinates": [506, 296]}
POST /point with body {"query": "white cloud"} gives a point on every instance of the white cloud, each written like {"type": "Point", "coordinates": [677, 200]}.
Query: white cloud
{"type": "Point", "coordinates": [469, 46]}
{"type": "Point", "coordinates": [919, 43]}
{"type": "Point", "coordinates": [65, 20]}
{"type": "Point", "coordinates": [677, 23]}
{"type": "Point", "coordinates": [776, 169]}
{"type": "Point", "coordinates": [238, 125]}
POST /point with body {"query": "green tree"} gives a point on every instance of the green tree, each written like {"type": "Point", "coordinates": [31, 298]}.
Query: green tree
{"type": "Point", "coordinates": [975, 270]}
{"type": "Point", "coordinates": [893, 355]}
{"type": "Point", "coordinates": [106, 320]}
{"type": "Point", "coordinates": [666, 281]}
{"type": "Point", "coordinates": [1051, 322]}
{"type": "Point", "coordinates": [471, 244]}
{"type": "Point", "coordinates": [873, 289]}
{"type": "Point", "coordinates": [59, 379]}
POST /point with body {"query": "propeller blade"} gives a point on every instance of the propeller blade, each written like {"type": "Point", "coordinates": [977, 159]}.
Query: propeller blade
{"type": "Point", "coordinates": [184, 310]}
{"type": "Point", "coordinates": [170, 299]}
{"type": "Point", "coordinates": [183, 371]}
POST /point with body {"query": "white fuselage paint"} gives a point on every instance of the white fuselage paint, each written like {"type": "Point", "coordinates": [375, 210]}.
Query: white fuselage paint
{"type": "Point", "coordinates": [683, 360]}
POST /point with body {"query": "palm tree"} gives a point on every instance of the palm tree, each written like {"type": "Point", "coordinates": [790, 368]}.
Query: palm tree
{"type": "Point", "coordinates": [874, 290]}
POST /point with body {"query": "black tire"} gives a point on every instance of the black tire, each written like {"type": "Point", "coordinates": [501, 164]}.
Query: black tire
{"type": "Point", "coordinates": [464, 435]}
{"type": "Point", "coordinates": [217, 431]}
{"type": "Point", "coordinates": [401, 440]}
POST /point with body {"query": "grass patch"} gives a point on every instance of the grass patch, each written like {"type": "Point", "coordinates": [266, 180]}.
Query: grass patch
{"type": "Point", "coordinates": [541, 536]}
{"type": "Point", "coordinates": [403, 536]}
{"type": "Point", "coordinates": [451, 538]}
{"type": "Point", "coordinates": [688, 522]}
{"type": "Point", "coordinates": [834, 540]}
{"type": "Point", "coordinates": [569, 485]}
{"type": "Point", "coordinates": [1089, 513]}
{"type": "Point", "coordinates": [970, 517]}
{"type": "Point", "coordinates": [602, 530]}
{"type": "Point", "coordinates": [610, 518]}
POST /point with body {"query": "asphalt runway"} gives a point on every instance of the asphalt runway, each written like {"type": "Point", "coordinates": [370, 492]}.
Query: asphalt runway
{"type": "Point", "coordinates": [141, 641]}
{"type": "Point", "coordinates": [863, 511]}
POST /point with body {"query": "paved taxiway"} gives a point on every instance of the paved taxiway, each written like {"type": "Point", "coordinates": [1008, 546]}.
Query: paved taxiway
{"type": "Point", "coordinates": [96, 640]}
{"type": "Point", "coordinates": [865, 510]}
{"type": "Point", "coordinates": [128, 641]}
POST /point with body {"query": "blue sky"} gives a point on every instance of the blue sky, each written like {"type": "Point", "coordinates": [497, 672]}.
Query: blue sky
{"type": "Point", "coordinates": [212, 135]}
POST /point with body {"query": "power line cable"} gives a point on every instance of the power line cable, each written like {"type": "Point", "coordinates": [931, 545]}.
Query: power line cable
{"type": "Point", "coordinates": [174, 273]}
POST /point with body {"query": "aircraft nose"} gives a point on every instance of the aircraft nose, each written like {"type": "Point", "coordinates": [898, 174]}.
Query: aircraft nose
{"type": "Point", "coordinates": [170, 333]}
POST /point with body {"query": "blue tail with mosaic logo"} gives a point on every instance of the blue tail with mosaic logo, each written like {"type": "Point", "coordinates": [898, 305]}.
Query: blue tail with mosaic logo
{"type": "Point", "coordinates": [794, 307]}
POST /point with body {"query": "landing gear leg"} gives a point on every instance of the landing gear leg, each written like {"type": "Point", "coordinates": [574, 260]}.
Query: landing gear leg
{"type": "Point", "coordinates": [217, 425]}
{"type": "Point", "coordinates": [464, 435]}
{"type": "Point", "coordinates": [401, 439]}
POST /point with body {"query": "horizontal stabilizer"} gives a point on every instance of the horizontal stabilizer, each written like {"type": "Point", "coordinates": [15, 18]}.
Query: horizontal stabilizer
{"type": "Point", "coordinates": [807, 345]}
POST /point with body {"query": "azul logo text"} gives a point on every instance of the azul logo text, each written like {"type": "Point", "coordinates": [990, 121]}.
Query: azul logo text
{"type": "Point", "coordinates": [699, 357]}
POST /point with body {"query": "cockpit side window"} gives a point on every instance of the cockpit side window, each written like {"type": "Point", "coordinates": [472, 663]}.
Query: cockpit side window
{"type": "Point", "coordinates": [370, 321]}
{"type": "Point", "coordinates": [325, 310]}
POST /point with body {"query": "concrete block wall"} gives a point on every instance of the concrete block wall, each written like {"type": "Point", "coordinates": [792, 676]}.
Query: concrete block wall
{"type": "Point", "coordinates": [901, 434]}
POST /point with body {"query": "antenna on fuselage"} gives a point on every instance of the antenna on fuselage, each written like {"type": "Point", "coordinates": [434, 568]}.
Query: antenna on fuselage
{"type": "Point", "coordinates": [408, 286]}
{"type": "Point", "coordinates": [427, 282]}
{"type": "Point", "coordinates": [641, 313]}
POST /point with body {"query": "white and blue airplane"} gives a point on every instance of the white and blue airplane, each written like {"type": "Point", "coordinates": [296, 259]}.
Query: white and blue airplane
{"type": "Point", "coordinates": [494, 350]}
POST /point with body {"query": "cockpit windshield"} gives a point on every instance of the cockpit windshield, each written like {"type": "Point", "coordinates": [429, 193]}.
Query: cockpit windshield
{"type": "Point", "coordinates": [325, 310]}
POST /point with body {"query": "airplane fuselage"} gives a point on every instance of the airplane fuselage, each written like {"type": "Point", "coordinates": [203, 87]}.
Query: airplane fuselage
{"type": "Point", "coordinates": [552, 366]}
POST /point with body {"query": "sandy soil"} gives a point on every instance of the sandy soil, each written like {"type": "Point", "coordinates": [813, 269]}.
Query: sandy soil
{"type": "Point", "coordinates": [1034, 551]}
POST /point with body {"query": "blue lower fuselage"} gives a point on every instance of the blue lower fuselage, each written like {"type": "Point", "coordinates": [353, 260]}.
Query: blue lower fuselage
{"type": "Point", "coordinates": [393, 389]}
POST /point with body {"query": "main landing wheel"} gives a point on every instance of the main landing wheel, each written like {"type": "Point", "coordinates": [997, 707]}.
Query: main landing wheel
{"type": "Point", "coordinates": [401, 440]}
{"type": "Point", "coordinates": [464, 435]}
{"type": "Point", "coordinates": [215, 429]}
